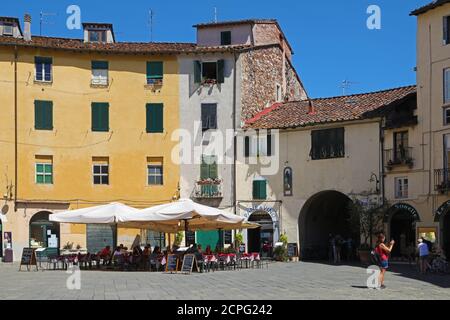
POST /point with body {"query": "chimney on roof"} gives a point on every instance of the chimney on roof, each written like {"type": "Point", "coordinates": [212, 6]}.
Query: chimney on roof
{"type": "Point", "coordinates": [311, 109]}
{"type": "Point", "coordinates": [27, 27]}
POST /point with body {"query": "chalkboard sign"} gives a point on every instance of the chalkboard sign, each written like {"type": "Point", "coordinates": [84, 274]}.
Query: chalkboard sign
{"type": "Point", "coordinates": [292, 250]}
{"type": "Point", "coordinates": [172, 263]}
{"type": "Point", "coordinates": [188, 263]}
{"type": "Point", "coordinates": [28, 258]}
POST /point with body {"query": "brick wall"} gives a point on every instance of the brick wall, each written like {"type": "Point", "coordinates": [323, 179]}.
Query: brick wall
{"type": "Point", "coordinates": [262, 70]}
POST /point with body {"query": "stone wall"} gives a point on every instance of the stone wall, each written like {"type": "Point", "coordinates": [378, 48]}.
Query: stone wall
{"type": "Point", "coordinates": [262, 70]}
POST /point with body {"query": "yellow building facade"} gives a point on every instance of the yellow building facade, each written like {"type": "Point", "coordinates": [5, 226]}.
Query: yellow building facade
{"type": "Point", "coordinates": [73, 136]}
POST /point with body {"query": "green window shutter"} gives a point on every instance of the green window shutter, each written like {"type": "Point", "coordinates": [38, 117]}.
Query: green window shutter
{"type": "Point", "coordinates": [100, 117]}
{"type": "Point", "coordinates": [102, 65]}
{"type": "Point", "coordinates": [260, 189]}
{"type": "Point", "coordinates": [197, 72]}
{"type": "Point", "coordinates": [43, 115]}
{"type": "Point", "coordinates": [155, 70]}
{"type": "Point", "coordinates": [155, 117]}
{"type": "Point", "coordinates": [204, 170]}
{"type": "Point", "coordinates": [221, 71]}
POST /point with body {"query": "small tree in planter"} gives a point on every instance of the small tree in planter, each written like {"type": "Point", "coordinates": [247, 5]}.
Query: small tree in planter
{"type": "Point", "coordinates": [280, 253]}
{"type": "Point", "coordinates": [364, 220]}
{"type": "Point", "coordinates": [178, 238]}
{"type": "Point", "coordinates": [238, 239]}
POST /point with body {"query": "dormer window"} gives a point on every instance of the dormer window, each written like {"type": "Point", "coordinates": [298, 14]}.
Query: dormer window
{"type": "Point", "coordinates": [8, 29]}
{"type": "Point", "coordinates": [97, 36]}
{"type": "Point", "coordinates": [225, 38]}
{"type": "Point", "coordinates": [98, 32]}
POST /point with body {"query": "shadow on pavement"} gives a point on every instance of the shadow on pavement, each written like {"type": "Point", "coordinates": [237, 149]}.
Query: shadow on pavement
{"type": "Point", "coordinates": [410, 272]}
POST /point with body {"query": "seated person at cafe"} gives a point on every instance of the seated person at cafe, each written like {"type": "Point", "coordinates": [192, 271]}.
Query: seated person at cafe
{"type": "Point", "coordinates": [217, 250]}
{"type": "Point", "coordinates": [192, 249]}
{"type": "Point", "coordinates": [208, 250]}
{"type": "Point", "coordinates": [147, 251]}
{"type": "Point", "coordinates": [105, 254]}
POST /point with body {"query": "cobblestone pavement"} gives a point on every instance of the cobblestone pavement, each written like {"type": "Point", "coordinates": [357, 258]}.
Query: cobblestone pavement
{"type": "Point", "coordinates": [280, 281]}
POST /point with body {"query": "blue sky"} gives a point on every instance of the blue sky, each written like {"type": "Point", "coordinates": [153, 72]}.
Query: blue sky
{"type": "Point", "coordinates": [330, 38]}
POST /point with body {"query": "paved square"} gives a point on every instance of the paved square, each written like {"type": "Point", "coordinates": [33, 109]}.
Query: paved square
{"type": "Point", "coordinates": [280, 281]}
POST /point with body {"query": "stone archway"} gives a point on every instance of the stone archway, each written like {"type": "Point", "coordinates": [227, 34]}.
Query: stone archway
{"type": "Point", "coordinates": [43, 232]}
{"type": "Point", "coordinates": [257, 237]}
{"type": "Point", "coordinates": [325, 213]}
{"type": "Point", "coordinates": [402, 219]}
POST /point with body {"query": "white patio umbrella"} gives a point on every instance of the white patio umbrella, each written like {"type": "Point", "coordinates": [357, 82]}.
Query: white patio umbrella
{"type": "Point", "coordinates": [113, 213]}
{"type": "Point", "coordinates": [3, 218]}
{"type": "Point", "coordinates": [186, 214]}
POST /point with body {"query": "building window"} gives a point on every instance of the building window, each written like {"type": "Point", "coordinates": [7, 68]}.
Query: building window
{"type": "Point", "coordinates": [225, 38]}
{"type": "Point", "coordinates": [209, 116]}
{"type": "Point", "coordinates": [401, 188]}
{"type": "Point", "coordinates": [259, 189]}
{"type": "Point", "coordinates": [259, 145]}
{"type": "Point", "coordinates": [43, 115]}
{"type": "Point", "coordinates": [155, 72]}
{"type": "Point", "coordinates": [155, 173]}
{"type": "Point", "coordinates": [8, 29]}
{"type": "Point", "coordinates": [43, 69]}
{"type": "Point", "coordinates": [100, 117]}
{"type": "Point", "coordinates": [287, 182]}
{"type": "Point", "coordinates": [100, 73]}
{"type": "Point", "coordinates": [327, 144]}
{"type": "Point", "coordinates": [44, 170]}
{"type": "Point", "coordinates": [100, 171]}
{"type": "Point", "coordinates": [97, 36]}
{"type": "Point", "coordinates": [155, 118]}
{"type": "Point", "coordinates": [400, 146]}
{"type": "Point", "coordinates": [447, 116]}
{"type": "Point", "coordinates": [209, 72]}
{"type": "Point", "coordinates": [447, 86]}
{"type": "Point", "coordinates": [446, 27]}
{"type": "Point", "coordinates": [279, 95]}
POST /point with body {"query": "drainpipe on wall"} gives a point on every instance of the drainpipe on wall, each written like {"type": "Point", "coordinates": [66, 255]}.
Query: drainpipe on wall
{"type": "Point", "coordinates": [16, 55]}
{"type": "Point", "coordinates": [234, 139]}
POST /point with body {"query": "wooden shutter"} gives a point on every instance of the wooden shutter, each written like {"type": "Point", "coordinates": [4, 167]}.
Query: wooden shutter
{"type": "Point", "coordinates": [155, 70]}
{"type": "Point", "coordinates": [43, 115]}
{"type": "Point", "coordinates": [100, 117]}
{"type": "Point", "coordinates": [246, 146]}
{"type": "Point", "coordinates": [209, 116]}
{"type": "Point", "coordinates": [269, 145]}
{"type": "Point", "coordinates": [101, 65]}
{"type": "Point", "coordinates": [221, 71]}
{"type": "Point", "coordinates": [259, 189]}
{"type": "Point", "coordinates": [155, 117]}
{"type": "Point", "coordinates": [197, 72]}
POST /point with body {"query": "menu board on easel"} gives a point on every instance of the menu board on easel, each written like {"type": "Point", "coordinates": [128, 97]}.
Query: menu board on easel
{"type": "Point", "coordinates": [28, 258]}
{"type": "Point", "coordinates": [292, 250]}
{"type": "Point", "coordinates": [172, 263]}
{"type": "Point", "coordinates": [189, 263]}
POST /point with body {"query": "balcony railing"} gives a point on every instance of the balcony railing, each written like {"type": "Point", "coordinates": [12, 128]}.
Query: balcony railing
{"type": "Point", "coordinates": [398, 157]}
{"type": "Point", "coordinates": [442, 180]}
{"type": "Point", "coordinates": [208, 189]}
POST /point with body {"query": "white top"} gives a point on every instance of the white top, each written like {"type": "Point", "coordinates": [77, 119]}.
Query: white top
{"type": "Point", "coordinates": [423, 249]}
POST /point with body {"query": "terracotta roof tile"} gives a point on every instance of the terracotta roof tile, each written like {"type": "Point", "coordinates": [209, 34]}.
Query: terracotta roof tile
{"type": "Point", "coordinates": [118, 47]}
{"type": "Point", "coordinates": [327, 110]}
{"type": "Point", "coordinates": [430, 6]}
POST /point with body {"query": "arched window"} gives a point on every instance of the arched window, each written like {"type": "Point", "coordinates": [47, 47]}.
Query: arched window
{"type": "Point", "coordinates": [287, 182]}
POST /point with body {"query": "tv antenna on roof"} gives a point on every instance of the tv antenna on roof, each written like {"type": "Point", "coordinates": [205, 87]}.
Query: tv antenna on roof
{"type": "Point", "coordinates": [150, 23]}
{"type": "Point", "coordinates": [42, 16]}
{"type": "Point", "coordinates": [215, 14]}
{"type": "Point", "coordinates": [346, 84]}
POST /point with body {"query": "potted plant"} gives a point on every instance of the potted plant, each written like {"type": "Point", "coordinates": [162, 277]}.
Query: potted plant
{"type": "Point", "coordinates": [178, 238]}
{"type": "Point", "coordinates": [238, 239]}
{"type": "Point", "coordinates": [280, 253]}
{"type": "Point", "coordinates": [363, 220]}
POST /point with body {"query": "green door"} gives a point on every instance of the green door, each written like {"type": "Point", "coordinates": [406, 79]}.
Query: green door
{"type": "Point", "coordinates": [205, 238]}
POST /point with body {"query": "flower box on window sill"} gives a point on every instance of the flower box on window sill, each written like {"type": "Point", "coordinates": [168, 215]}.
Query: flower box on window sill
{"type": "Point", "coordinates": [209, 182]}
{"type": "Point", "coordinates": [154, 83]}
{"type": "Point", "coordinates": [209, 82]}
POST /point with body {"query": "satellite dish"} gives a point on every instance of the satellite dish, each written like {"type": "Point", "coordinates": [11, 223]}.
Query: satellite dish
{"type": "Point", "coordinates": [5, 209]}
